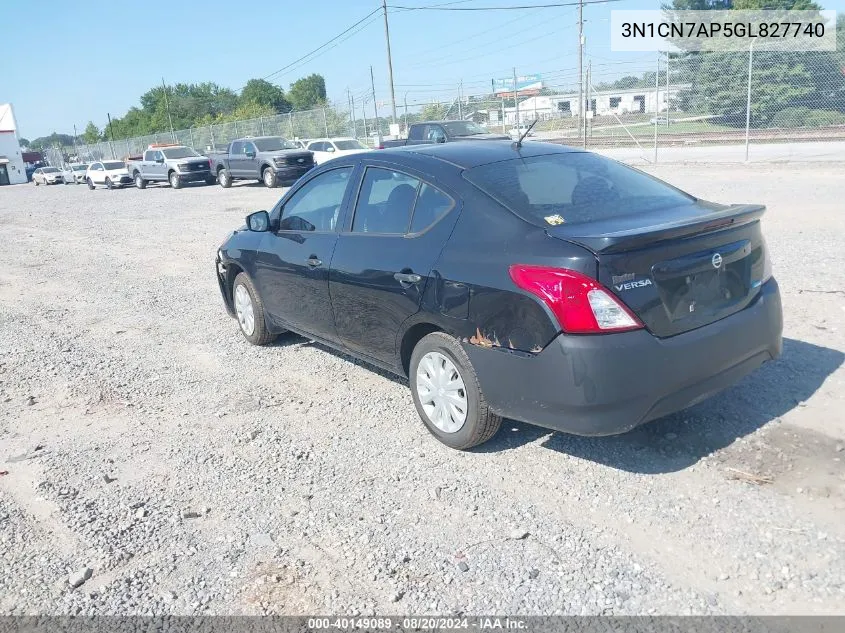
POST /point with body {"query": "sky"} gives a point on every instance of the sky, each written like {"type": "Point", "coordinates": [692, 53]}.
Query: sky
{"type": "Point", "coordinates": [66, 67]}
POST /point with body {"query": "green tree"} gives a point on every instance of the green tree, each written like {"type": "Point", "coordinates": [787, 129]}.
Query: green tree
{"type": "Point", "coordinates": [24, 142]}
{"type": "Point", "coordinates": [434, 111]}
{"type": "Point", "coordinates": [91, 134]}
{"type": "Point", "coordinates": [308, 92]}
{"type": "Point", "coordinates": [263, 93]}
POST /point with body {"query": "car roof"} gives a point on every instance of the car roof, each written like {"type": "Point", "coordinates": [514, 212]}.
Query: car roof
{"type": "Point", "coordinates": [469, 154]}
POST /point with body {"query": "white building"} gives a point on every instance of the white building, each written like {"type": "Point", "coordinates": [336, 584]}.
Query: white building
{"type": "Point", "coordinates": [605, 102]}
{"type": "Point", "coordinates": [12, 169]}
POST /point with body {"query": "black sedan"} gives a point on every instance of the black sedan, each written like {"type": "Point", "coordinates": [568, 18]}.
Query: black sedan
{"type": "Point", "coordinates": [534, 282]}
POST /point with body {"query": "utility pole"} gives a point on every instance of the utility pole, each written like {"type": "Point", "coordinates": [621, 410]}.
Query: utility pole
{"type": "Point", "coordinates": [375, 105]}
{"type": "Point", "coordinates": [406, 113]}
{"type": "Point", "coordinates": [748, 99]}
{"type": "Point", "coordinates": [352, 113]}
{"type": "Point", "coordinates": [167, 106]}
{"type": "Point", "coordinates": [589, 103]}
{"type": "Point", "coordinates": [389, 60]}
{"type": "Point", "coordinates": [111, 135]}
{"type": "Point", "coordinates": [460, 99]}
{"type": "Point", "coordinates": [75, 149]}
{"type": "Point", "coordinates": [580, 64]}
{"type": "Point", "coordinates": [515, 102]}
{"type": "Point", "coordinates": [668, 102]}
{"type": "Point", "coordinates": [656, 105]}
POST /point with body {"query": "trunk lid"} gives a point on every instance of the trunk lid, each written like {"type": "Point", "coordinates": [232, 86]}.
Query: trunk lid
{"type": "Point", "coordinates": [680, 268]}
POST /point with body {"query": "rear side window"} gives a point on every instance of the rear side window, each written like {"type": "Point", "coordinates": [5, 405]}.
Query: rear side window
{"type": "Point", "coordinates": [432, 204]}
{"type": "Point", "coordinates": [385, 202]}
{"type": "Point", "coordinates": [573, 188]}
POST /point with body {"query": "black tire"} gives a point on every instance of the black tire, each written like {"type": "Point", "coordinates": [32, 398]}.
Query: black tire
{"type": "Point", "coordinates": [109, 184]}
{"type": "Point", "coordinates": [210, 180]}
{"type": "Point", "coordinates": [90, 183]}
{"type": "Point", "coordinates": [175, 181]}
{"type": "Point", "coordinates": [481, 423]}
{"type": "Point", "coordinates": [140, 183]}
{"type": "Point", "coordinates": [268, 177]}
{"type": "Point", "coordinates": [35, 181]}
{"type": "Point", "coordinates": [260, 335]}
{"type": "Point", "coordinates": [224, 178]}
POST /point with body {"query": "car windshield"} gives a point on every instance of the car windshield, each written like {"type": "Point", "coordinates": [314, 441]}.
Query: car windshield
{"type": "Point", "coordinates": [273, 144]}
{"type": "Point", "coordinates": [350, 144]}
{"type": "Point", "coordinates": [179, 152]}
{"type": "Point", "coordinates": [573, 188]}
{"type": "Point", "coordinates": [114, 165]}
{"type": "Point", "coordinates": [49, 170]}
{"type": "Point", "coordinates": [79, 167]}
{"type": "Point", "coordinates": [463, 128]}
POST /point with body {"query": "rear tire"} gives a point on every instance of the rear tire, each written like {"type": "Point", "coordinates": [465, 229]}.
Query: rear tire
{"type": "Point", "coordinates": [268, 176]}
{"type": "Point", "coordinates": [447, 369]}
{"type": "Point", "coordinates": [175, 181]}
{"type": "Point", "coordinates": [140, 183]}
{"type": "Point", "coordinates": [249, 311]}
{"type": "Point", "coordinates": [224, 178]}
{"type": "Point", "coordinates": [90, 183]}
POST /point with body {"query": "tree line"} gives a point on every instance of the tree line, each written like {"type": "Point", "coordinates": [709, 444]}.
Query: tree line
{"type": "Point", "coordinates": [190, 105]}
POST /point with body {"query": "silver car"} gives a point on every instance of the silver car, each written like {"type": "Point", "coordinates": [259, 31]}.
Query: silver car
{"type": "Point", "coordinates": [74, 173]}
{"type": "Point", "coordinates": [46, 176]}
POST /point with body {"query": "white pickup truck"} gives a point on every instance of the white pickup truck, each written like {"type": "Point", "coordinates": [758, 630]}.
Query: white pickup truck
{"type": "Point", "coordinates": [175, 164]}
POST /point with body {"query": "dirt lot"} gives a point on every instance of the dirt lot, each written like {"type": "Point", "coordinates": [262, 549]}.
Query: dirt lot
{"type": "Point", "coordinates": [149, 445]}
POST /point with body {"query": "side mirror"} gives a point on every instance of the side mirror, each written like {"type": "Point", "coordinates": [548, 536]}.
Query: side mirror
{"type": "Point", "coordinates": [160, 161]}
{"type": "Point", "coordinates": [258, 221]}
{"type": "Point", "coordinates": [439, 139]}
{"type": "Point", "coordinates": [250, 154]}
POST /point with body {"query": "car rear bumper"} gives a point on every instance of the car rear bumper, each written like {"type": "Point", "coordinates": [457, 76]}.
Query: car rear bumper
{"type": "Point", "coordinates": [609, 384]}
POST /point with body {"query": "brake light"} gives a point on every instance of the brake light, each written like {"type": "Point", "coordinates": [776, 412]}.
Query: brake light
{"type": "Point", "coordinates": [581, 304]}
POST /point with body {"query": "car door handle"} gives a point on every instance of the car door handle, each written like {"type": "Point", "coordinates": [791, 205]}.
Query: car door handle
{"type": "Point", "coordinates": [313, 261]}
{"type": "Point", "coordinates": [407, 278]}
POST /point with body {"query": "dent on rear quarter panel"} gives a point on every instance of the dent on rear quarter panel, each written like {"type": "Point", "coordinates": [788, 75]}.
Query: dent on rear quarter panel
{"type": "Point", "coordinates": [473, 284]}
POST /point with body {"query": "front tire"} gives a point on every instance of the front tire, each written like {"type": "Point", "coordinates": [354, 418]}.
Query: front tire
{"type": "Point", "coordinates": [90, 183]}
{"type": "Point", "coordinates": [447, 394]}
{"type": "Point", "coordinates": [175, 181]}
{"type": "Point", "coordinates": [249, 311]}
{"type": "Point", "coordinates": [140, 183]}
{"type": "Point", "coordinates": [35, 181]}
{"type": "Point", "coordinates": [109, 184]}
{"type": "Point", "coordinates": [224, 178]}
{"type": "Point", "coordinates": [269, 177]}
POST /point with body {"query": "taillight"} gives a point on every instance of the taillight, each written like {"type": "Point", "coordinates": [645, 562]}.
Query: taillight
{"type": "Point", "coordinates": [581, 304]}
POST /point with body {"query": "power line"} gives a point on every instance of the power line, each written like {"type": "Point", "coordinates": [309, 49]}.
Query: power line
{"type": "Point", "coordinates": [512, 8]}
{"type": "Point", "coordinates": [322, 46]}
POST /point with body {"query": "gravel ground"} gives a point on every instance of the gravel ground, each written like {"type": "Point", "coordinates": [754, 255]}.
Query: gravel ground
{"type": "Point", "coordinates": [157, 463]}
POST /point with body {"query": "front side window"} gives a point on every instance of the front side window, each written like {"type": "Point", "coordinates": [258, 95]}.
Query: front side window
{"type": "Point", "coordinates": [385, 202]}
{"type": "Point", "coordinates": [316, 205]}
{"type": "Point", "coordinates": [573, 188]}
{"type": "Point", "coordinates": [249, 148]}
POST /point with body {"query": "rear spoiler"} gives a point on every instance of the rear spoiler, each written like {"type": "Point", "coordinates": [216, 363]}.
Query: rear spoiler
{"type": "Point", "coordinates": [648, 229]}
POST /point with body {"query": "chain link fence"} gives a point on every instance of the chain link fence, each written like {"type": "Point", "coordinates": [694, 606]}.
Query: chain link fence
{"type": "Point", "coordinates": [743, 106]}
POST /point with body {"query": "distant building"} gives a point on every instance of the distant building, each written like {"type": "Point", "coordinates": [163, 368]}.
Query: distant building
{"type": "Point", "coordinates": [12, 169]}
{"type": "Point", "coordinates": [605, 102]}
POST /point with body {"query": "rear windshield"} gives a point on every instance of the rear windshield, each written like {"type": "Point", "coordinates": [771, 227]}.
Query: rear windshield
{"type": "Point", "coordinates": [573, 188]}
{"type": "Point", "coordinates": [49, 170]}
{"type": "Point", "coordinates": [80, 167]}
{"type": "Point", "coordinates": [351, 144]}
{"type": "Point", "coordinates": [179, 152]}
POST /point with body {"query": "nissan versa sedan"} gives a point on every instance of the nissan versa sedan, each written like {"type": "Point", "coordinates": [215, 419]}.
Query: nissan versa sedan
{"type": "Point", "coordinates": [535, 282]}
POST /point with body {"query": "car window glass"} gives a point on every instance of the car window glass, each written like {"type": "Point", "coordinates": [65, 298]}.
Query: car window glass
{"type": "Point", "coordinates": [316, 205]}
{"type": "Point", "coordinates": [416, 132]}
{"type": "Point", "coordinates": [432, 204]}
{"type": "Point", "coordinates": [385, 202]}
{"type": "Point", "coordinates": [249, 148]}
{"type": "Point", "coordinates": [237, 147]}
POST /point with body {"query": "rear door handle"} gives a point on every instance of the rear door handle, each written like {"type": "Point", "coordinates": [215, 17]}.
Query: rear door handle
{"type": "Point", "coordinates": [313, 261]}
{"type": "Point", "coordinates": [407, 278]}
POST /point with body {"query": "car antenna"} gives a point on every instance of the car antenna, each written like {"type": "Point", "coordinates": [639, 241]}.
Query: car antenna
{"type": "Point", "coordinates": [518, 144]}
